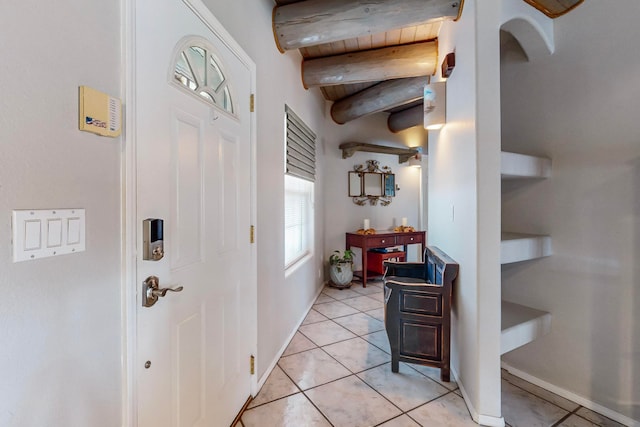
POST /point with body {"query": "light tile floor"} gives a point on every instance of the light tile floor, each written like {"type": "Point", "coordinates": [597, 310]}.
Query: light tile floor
{"type": "Point", "coordinates": [336, 372]}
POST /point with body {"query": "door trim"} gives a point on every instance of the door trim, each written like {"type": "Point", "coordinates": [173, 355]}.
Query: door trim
{"type": "Point", "coordinates": [129, 196]}
{"type": "Point", "coordinates": [128, 218]}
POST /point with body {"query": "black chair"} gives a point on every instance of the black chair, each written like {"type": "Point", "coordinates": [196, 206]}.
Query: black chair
{"type": "Point", "coordinates": [418, 310]}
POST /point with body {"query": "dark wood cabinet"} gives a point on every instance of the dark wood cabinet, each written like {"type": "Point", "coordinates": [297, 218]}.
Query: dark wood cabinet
{"type": "Point", "coordinates": [418, 311]}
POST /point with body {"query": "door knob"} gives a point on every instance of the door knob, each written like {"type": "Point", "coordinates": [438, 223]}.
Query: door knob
{"type": "Point", "coordinates": [151, 291]}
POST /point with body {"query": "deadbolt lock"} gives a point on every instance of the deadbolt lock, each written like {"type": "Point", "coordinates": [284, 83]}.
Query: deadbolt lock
{"type": "Point", "coordinates": [152, 239]}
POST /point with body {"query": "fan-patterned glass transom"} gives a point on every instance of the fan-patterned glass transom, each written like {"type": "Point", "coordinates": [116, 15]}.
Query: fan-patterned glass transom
{"type": "Point", "coordinates": [198, 71]}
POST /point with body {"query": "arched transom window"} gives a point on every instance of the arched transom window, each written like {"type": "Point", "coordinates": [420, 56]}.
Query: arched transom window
{"type": "Point", "coordinates": [198, 71]}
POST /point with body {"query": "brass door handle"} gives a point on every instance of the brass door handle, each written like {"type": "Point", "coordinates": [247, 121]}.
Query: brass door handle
{"type": "Point", "coordinates": [151, 291]}
{"type": "Point", "coordinates": [163, 291]}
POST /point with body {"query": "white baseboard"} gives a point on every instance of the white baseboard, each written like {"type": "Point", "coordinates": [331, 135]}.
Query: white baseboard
{"type": "Point", "coordinates": [580, 400]}
{"type": "Point", "coordinates": [484, 420]}
{"type": "Point", "coordinates": [487, 420]}
{"type": "Point", "coordinates": [273, 363]}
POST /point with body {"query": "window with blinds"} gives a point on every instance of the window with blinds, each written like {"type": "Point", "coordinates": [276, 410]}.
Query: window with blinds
{"type": "Point", "coordinates": [300, 172]}
{"type": "Point", "coordinates": [298, 219]}
{"type": "Point", "coordinates": [301, 147]}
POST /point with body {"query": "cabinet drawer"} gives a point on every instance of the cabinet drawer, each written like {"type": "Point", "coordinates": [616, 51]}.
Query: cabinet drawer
{"type": "Point", "coordinates": [425, 303]}
{"type": "Point", "coordinates": [381, 241]}
{"type": "Point", "coordinates": [409, 239]}
{"type": "Point", "coordinates": [421, 340]}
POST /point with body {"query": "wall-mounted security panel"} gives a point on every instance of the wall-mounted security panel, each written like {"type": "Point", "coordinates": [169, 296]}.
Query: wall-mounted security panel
{"type": "Point", "coordinates": [47, 232]}
{"type": "Point", "coordinates": [99, 113]}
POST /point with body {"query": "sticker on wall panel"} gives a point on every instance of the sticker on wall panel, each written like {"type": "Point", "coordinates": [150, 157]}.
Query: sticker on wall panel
{"type": "Point", "coordinates": [47, 232]}
{"type": "Point", "coordinates": [99, 112]}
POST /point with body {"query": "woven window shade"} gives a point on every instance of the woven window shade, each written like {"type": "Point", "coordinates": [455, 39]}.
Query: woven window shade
{"type": "Point", "coordinates": [301, 148]}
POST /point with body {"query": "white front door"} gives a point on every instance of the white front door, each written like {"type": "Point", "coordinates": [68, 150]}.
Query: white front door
{"type": "Point", "coordinates": [192, 171]}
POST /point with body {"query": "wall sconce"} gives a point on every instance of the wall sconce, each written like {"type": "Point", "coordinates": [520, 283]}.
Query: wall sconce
{"type": "Point", "coordinates": [448, 64]}
{"type": "Point", "coordinates": [435, 105]}
{"type": "Point", "coordinates": [416, 161]}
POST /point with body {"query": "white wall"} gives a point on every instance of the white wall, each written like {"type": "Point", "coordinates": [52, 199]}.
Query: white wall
{"type": "Point", "coordinates": [341, 214]}
{"type": "Point", "coordinates": [464, 201]}
{"type": "Point", "coordinates": [580, 107]}
{"type": "Point", "coordinates": [60, 317]}
{"type": "Point", "coordinates": [282, 301]}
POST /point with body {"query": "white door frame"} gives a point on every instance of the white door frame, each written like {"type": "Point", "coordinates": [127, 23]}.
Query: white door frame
{"type": "Point", "coordinates": [129, 196]}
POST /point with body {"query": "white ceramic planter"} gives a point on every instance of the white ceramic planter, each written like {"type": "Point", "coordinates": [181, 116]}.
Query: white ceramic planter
{"type": "Point", "coordinates": [341, 274]}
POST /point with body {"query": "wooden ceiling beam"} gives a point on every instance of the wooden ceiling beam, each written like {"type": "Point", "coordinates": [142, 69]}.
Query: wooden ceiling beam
{"type": "Point", "coordinates": [554, 8]}
{"type": "Point", "coordinates": [405, 119]}
{"type": "Point", "coordinates": [314, 22]}
{"type": "Point", "coordinates": [395, 62]}
{"type": "Point", "coordinates": [380, 97]}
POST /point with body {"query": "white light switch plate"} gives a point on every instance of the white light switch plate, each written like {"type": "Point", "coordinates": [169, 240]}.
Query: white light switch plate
{"type": "Point", "coordinates": [47, 232]}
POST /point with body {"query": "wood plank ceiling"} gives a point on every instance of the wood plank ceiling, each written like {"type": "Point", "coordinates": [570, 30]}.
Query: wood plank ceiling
{"type": "Point", "coordinates": [396, 37]}
{"type": "Point", "coordinates": [324, 63]}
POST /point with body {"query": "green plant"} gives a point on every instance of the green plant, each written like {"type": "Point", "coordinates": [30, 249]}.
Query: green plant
{"type": "Point", "coordinates": [341, 258]}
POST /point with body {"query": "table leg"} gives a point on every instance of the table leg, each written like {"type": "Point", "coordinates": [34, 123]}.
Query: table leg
{"type": "Point", "coordinates": [364, 267]}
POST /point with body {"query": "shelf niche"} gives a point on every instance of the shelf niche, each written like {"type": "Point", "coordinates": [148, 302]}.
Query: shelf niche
{"type": "Point", "coordinates": [522, 166]}
{"type": "Point", "coordinates": [517, 247]}
{"type": "Point", "coordinates": [521, 324]}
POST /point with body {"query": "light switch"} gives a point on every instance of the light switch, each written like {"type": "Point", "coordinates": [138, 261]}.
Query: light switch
{"type": "Point", "coordinates": [32, 235]}
{"type": "Point", "coordinates": [54, 233]}
{"type": "Point", "coordinates": [47, 232]}
{"type": "Point", "coordinates": [73, 231]}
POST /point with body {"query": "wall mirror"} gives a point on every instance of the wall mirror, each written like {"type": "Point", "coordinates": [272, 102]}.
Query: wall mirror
{"type": "Point", "coordinates": [372, 183]}
{"type": "Point", "coordinates": [355, 184]}
{"type": "Point", "coordinates": [389, 185]}
{"type": "Point", "coordinates": [373, 186]}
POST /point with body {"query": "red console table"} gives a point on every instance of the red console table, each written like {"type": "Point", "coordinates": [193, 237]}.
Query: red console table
{"type": "Point", "coordinates": [381, 240]}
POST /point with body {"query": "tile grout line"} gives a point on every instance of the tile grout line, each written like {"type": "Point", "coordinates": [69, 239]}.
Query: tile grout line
{"type": "Point", "coordinates": [341, 364]}
{"type": "Point", "coordinates": [357, 377]}
{"type": "Point", "coordinates": [311, 323]}
{"type": "Point", "coordinates": [282, 397]}
{"type": "Point", "coordinates": [574, 412]}
{"type": "Point", "coordinates": [542, 398]}
{"type": "Point", "coordinates": [376, 391]}
{"type": "Point", "coordinates": [352, 374]}
{"type": "Point", "coordinates": [391, 419]}
{"type": "Point", "coordinates": [300, 391]}
{"type": "Point", "coordinates": [336, 360]}
{"type": "Point", "coordinates": [305, 394]}
{"type": "Point", "coordinates": [319, 346]}
{"type": "Point", "coordinates": [448, 391]}
{"type": "Point", "coordinates": [433, 400]}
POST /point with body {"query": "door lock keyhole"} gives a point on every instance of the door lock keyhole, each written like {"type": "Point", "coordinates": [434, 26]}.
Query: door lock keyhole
{"type": "Point", "coordinates": [147, 364]}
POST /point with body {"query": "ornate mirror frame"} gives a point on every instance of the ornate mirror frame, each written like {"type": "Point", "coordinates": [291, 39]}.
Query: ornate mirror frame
{"type": "Point", "coordinates": [371, 182]}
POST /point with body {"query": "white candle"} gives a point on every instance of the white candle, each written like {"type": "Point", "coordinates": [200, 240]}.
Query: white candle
{"type": "Point", "coordinates": [404, 222]}
{"type": "Point", "coordinates": [366, 224]}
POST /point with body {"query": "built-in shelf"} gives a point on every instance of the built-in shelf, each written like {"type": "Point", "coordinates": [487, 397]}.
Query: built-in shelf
{"type": "Point", "coordinates": [404, 154]}
{"type": "Point", "coordinates": [518, 166]}
{"type": "Point", "coordinates": [516, 247]}
{"type": "Point", "coordinates": [522, 325]}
